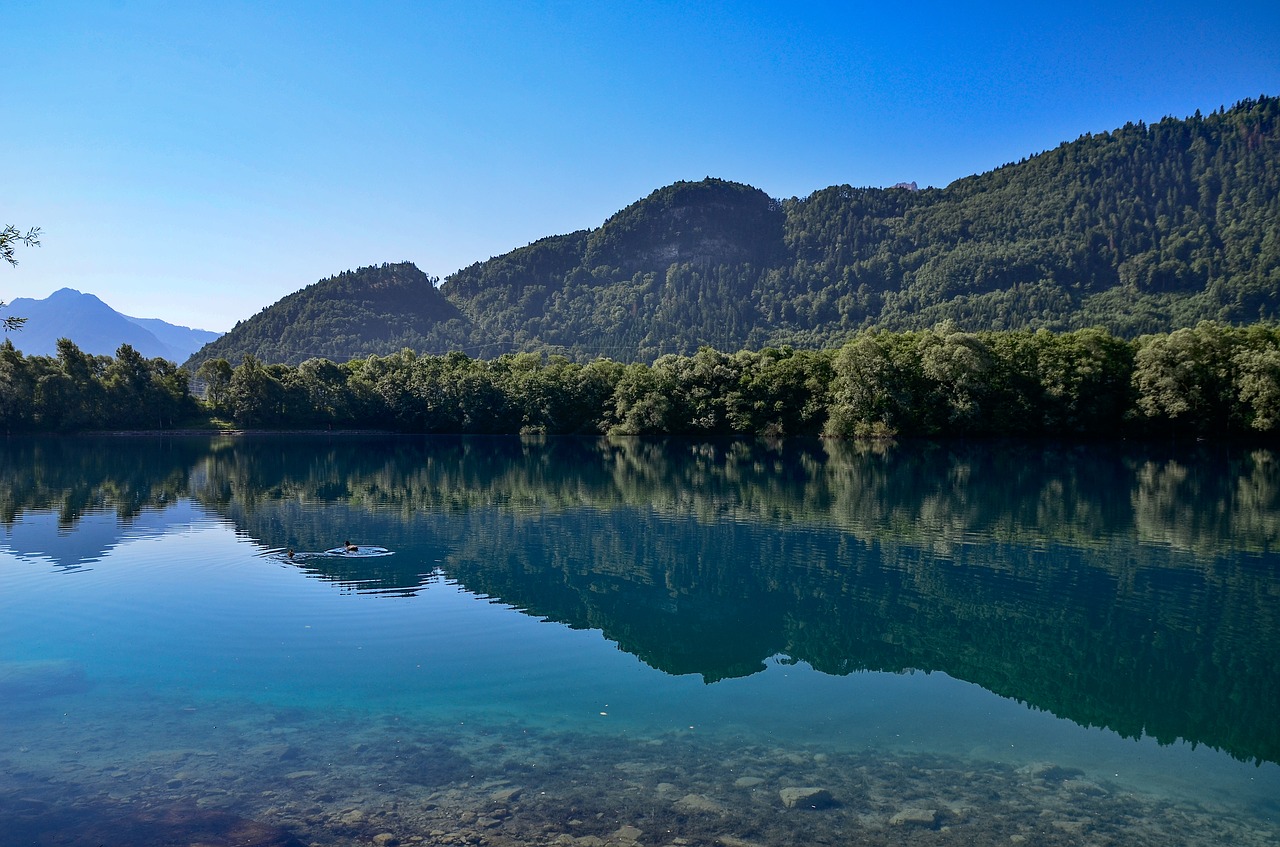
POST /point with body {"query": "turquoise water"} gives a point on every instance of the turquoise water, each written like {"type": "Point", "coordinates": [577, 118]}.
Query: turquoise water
{"type": "Point", "coordinates": [637, 643]}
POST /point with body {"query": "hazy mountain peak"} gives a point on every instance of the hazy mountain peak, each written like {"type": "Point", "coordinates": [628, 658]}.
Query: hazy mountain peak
{"type": "Point", "coordinates": [98, 329]}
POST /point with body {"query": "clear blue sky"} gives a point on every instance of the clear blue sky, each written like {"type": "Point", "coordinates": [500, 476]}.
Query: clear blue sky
{"type": "Point", "coordinates": [198, 161]}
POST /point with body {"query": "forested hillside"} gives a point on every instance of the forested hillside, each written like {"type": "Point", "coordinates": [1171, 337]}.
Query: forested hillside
{"type": "Point", "coordinates": [1144, 229]}
{"type": "Point", "coordinates": [357, 313]}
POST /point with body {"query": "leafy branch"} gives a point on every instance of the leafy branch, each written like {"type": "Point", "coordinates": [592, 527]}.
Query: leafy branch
{"type": "Point", "coordinates": [11, 237]}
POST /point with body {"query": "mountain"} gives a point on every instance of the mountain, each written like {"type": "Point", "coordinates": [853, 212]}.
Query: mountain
{"type": "Point", "coordinates": [1143, 229]}
{"type": "Point", "coordinates": [181, 340]}
{"type": "Point", "coordinates": [378, 309]}
{"type": "Point", "coordinates": [98, 329]}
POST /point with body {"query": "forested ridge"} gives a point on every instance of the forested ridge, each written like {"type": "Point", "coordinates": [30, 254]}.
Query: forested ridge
{"type": "Point", "coordinates": [1145, 229]}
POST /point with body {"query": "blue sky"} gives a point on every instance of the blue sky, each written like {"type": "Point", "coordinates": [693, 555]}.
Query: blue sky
{"type": "Point", "coordinates": [196, 162]}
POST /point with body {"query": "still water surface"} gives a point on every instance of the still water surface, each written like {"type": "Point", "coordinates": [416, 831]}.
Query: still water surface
{"type": "Point", "coordinates": [587, 642]}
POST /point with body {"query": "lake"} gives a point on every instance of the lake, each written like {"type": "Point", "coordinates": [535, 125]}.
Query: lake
{"type": "Point", "coordinates": [589, 642]}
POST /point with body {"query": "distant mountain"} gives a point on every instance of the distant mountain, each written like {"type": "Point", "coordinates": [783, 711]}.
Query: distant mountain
{"type": "Point", "coordinates": [182, 340]}
{"type": "Point", "coordinates": [1143, 229]}
{"type": "Point", "coordinates": [98, 329]}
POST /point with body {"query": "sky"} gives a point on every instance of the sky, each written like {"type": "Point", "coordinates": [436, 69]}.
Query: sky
{"type": "Point", "coordinates": [196, 162]}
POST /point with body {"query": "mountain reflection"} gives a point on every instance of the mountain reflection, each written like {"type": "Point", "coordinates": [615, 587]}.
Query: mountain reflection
{"type": "Point", "coordinates": [1132, 588]}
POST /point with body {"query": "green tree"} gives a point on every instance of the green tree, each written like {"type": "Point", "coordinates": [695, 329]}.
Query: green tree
{"type": "Point", "coordinates": [17, 388]}
{"type": "Point", "coordinates": [382, 391]}
{"type": "Point", "coordinates": [1257, 378]}
{"type": "Point", "coordinates": [255, 394]}
{"type": "Point", "coordinates": [781, 391]}
{"type": "Point", "coordinates": [324, 392]}
{"type": "Point", "coordinates": [216, 375]}
{"type": "Point", "coordinates": [641, 402]}
{"type": "Point", "coordinates": [1185, 380]}
{"type": "Point", "coordinates": [1084, 380]}
{"type": "Point", "coordinates": [962, 368]}
{"type": "Point", "coordinates": [71, 396]}
{"type": "Point", "coordinates": [879, 387]}
{"type": "Point", "coordinates": [141, 392]}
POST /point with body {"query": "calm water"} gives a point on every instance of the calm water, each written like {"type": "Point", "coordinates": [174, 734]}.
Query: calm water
{"type": "Point", "coordinates": [583, 642]}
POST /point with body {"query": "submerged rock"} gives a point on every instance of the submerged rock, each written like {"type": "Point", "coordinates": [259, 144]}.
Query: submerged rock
{"type": "Point", "coordinates": [698, 803]}
{"type": "Point", "coordinates": [628, 834]}
{"type": "Point", "coordinates": [916, 817]}
{"type": "Point", "coordinates": [506, 795]}
{"type": "Point", "coordinates": [733, 841]}
{"type": "Point", "coordinates": [1049, 771]}
{"type": "Point", "coordinates": [1082, 786]}
{"type": "Point", "coordinates": [292, 775]}
{"type": "Point", "coordinates": [806, 798]}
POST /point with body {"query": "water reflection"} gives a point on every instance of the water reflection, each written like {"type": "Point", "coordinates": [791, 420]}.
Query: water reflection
{"type": "Point", "coordinates": [1131, 588]}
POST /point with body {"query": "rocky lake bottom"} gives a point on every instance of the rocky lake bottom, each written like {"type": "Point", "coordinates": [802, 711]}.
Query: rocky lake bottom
{"type": "Point", "coordinates": [191, 776]}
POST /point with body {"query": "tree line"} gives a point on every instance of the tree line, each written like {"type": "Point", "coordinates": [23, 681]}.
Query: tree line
{"type": "Point", "coordinates": [1213, 379]}
{"type": "Point", "coordinates": [76, 391]}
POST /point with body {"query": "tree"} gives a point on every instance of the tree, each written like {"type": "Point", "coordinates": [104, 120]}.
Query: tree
{"type": "Point", "coordinates": [1257, 378]}
{"type": "Point", "coordinates": [781, 391]}
{"type": "Point", "coordinates": [72, 396]}
{"type": "Point", "coordinates": [17, 388]}
{"type": "Point", "coordinates": [10, 237]}
{"type": "Point", "coordinates": [1185, 380]}
{"type": "Point", "coordinates": [641, 403]}
{"type": "Point", "coordinates": [879, 388]}
{"type": "Point", "coordinates": [1085, 381]}
{"type": "Point", "coordinates": [141, 391]}
{"type": "Point", "coordinates": [216, 375]}
{"type": "Point", "coordinates": [324, 387]}
{"type": "Point", "coordinates": [254, 393]}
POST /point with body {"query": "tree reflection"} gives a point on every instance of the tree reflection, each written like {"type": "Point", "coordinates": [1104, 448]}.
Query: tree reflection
{"type": "Point", "coordinates": [1130, 587]}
